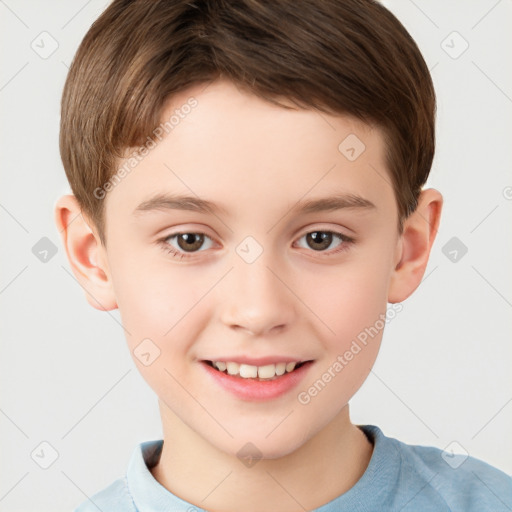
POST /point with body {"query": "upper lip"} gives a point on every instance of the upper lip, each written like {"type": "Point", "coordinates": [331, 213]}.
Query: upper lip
{"type": "Point", "coordinates": [258, 361]}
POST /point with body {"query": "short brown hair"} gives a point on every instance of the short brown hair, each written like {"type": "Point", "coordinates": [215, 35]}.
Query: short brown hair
{"type": "Point", "coordinates": [349, 57]}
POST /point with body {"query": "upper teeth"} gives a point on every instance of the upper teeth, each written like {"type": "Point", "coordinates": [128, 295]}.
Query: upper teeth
{"type": "Point", "coordinates": [248, 371]}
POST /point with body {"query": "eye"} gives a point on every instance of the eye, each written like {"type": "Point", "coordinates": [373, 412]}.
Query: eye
{"type": "Point", "coordinates": [187, 242]}
{"type": "Point", "coordinates": [320, 240]}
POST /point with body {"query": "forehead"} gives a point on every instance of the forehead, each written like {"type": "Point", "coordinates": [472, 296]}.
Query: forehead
{"type": "Point", "coordinates": [229, 146]}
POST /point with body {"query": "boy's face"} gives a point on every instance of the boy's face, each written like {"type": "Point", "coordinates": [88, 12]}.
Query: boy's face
{"type": "Point", "coordinates": [257, 286]}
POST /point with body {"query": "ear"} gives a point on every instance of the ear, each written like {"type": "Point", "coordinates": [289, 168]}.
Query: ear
{"type": "Point", "coordinates": [85, 253]}
{"type": "Point", "coordinates": [420, 230]}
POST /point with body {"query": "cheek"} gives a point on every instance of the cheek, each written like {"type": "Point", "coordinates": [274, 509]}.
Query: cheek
{"type": "Point", "coordinates": [349, 299]}
{"type": "Point", "coordinates": [161, 312]}
{"type": "Point", "coordinates": [353, 305]}
{"type": "Point", "coordinates": [156, 301]}
{"type": "Point", "coordinates": [352, 301]}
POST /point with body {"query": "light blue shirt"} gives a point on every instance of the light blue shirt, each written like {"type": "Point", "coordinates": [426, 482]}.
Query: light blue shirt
{"type": "Point", "coordinates": [399, 477]}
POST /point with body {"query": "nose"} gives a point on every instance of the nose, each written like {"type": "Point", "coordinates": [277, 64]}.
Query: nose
{"type": "Point", "coordinates": [256, 298]}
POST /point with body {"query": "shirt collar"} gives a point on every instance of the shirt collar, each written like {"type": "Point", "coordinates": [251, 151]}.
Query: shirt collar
{"type": "Point", "coordinates": [150, 496]}
{"type": "Point", "coordinates": [147, 493]}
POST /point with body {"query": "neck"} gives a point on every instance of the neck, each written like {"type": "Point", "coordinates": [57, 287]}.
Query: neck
{"type": "Point", "coordinates": [199, 473]}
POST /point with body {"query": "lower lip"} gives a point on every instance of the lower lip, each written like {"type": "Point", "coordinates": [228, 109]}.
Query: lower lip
{"type": "Point", "coordinates": [258, 390]}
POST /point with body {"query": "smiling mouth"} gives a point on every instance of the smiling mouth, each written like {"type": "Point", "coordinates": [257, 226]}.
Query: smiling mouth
{"type": "Point", "coordinates": [260, 373]}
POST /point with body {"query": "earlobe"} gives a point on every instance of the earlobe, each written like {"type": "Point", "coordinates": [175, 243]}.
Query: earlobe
{"type": "Point", "coordinates": [85, 253]}
{"type": "Point", "coordinates": [416, 241]}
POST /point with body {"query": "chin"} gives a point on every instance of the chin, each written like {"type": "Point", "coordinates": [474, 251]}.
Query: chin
{"type": "Point", "coordinates": [262, 445]}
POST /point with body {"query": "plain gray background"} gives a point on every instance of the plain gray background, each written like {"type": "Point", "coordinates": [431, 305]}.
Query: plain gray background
{"type": "Point", "coordinates": [67, 379]}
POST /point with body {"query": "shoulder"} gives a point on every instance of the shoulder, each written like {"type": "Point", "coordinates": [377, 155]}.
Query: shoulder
{"type": "Point", "coordinates": [114, 498]}
{"type": "Point", "coordinates": [463, 482]}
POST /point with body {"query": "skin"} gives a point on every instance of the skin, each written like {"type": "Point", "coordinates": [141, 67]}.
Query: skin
{"type": "Point", "coordinates": [235, 149]}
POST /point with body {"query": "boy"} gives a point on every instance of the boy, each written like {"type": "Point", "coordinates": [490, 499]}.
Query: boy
{"type": "Point", "coordinates": [247, 181]}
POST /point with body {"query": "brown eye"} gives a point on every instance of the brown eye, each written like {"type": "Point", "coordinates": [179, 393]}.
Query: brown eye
{"type": "Point", "coordinates": [190, 242]}
{"type": "Point", "coordinates": [319, 240]}
{"type": "Point", "coordinates": [187, 243]}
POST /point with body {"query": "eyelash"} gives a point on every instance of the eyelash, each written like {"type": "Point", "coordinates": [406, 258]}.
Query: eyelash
{"type": "Point", "coordinates": [163, 242]}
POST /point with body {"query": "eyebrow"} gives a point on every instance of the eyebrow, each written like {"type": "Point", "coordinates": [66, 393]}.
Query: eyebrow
{"type": "Point", "coordinates": [196, 204]}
